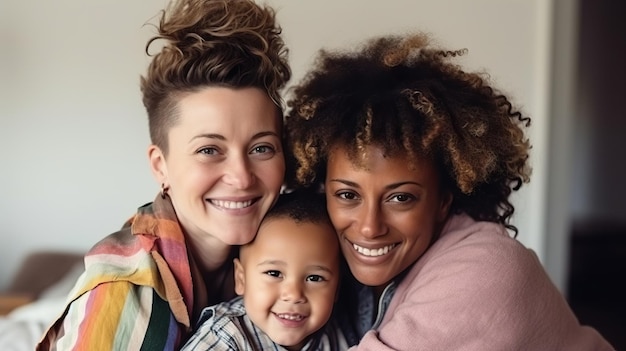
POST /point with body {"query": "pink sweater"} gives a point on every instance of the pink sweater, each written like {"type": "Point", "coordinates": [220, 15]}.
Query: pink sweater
{"type": "Point", "coordinates": [479, 289]}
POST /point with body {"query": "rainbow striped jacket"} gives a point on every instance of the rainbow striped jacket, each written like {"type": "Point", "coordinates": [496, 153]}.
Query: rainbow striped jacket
{"type": "Point", "coordinates": [136, 292]}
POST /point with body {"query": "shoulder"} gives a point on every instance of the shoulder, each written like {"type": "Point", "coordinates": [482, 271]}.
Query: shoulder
{"type": "Point", "coordinates": [128, 254]}
{"type": "Point", "coordinates": [219, 315]}
{"type": "Point", "coordinates": [225, 324]}
{"type": "Point", "coordinates": [128, 307]}
{"type": "Point", "coordinates": [119, 256]}
{"type": "Point", "coordinates": [483, 246]}
{"type": "Point", "coordinates": [478, 265]}
{"type": "Point", "coordinates": [477, 280]}
{"type": "Point", "coordinates": [222, 319]}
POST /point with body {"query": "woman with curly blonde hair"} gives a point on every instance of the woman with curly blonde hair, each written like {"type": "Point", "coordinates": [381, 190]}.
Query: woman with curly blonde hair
{"type": "Point", "coordinates": [215, 118]}
{"type": "Point", "coordinates": [418, 160]}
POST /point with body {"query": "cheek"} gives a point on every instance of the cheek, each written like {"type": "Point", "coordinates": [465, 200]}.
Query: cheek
{"type": "Point", "coordinates": [271, 174]}
{"type": "Point", "coordinates": [421, 238]}
{"type": "Point", "coordinates": [338, 217]}
{"type": "Point", "coordinates": [418, 222]}
{"type": "Point", "coordinates": [191, 174]}
{"type": "Point", "coordinates": [324, 301]}
{"type": "Point", "coordinates": [259, 294]}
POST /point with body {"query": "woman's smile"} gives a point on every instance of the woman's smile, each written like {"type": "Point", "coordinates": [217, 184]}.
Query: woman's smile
{"type": "Point", "coordinates": [373, 251]}
{"type": "Point", "coordinates": [229, 205]}
{"type": "Point", "coordinates": [385, 211]}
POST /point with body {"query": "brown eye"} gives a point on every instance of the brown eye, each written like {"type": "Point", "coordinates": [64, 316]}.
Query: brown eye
{"type": "Point", "coordinates": [273, 273]}
{"type": "Point", "coordinates": [347, 195]}
{"type": "Point", "coordinates": [402, 198]}
{"type": "Point", "coordinates": [315, 278]}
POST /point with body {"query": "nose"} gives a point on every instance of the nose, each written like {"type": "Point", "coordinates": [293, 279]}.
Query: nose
{"type": "Point", "coordinates": [291, 291]}
{"type": "Point", "coordinates": [238, 172]}
{"type": "Point", "coordinates": [371, 222]}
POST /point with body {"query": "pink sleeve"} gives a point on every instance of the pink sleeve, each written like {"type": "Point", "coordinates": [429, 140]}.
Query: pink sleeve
{"type": "Point", "coordinates": [481, 295]}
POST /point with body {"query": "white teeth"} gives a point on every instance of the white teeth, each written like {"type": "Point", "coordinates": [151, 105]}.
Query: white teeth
{"type": "Point", "coordinates": [373, 252]}
{"type": "Point", "coordinates": [291, 317]}
{"type": "Point", "coordinates": [231, 204]}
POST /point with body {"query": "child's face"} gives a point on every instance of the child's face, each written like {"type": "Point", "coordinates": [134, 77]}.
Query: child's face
{"type": "Point", "coordinates": [289, 277]}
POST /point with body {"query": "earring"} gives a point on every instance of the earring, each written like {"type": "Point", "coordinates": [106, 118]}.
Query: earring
{"type": "Point", "coordinates": [164, 190]}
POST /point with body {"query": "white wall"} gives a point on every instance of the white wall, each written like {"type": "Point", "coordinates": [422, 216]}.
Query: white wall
{"type": "Point", "coordinates": [73, 132]}
{"type": "Point", "coordinates": [561, 140]}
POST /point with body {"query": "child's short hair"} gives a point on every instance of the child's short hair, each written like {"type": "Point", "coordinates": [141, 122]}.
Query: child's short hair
{"type": "Point", "coordinates": [302, 205]}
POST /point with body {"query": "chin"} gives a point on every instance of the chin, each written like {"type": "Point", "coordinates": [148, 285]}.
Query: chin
{"type": "Point", "coordinates": [370, 278]}
{"type": "Point", "coordinates": [290, 343]}
{"type": "Point", "coordinates": [241, 240]}
{"type": "Point", "coordinates": [240, 236]}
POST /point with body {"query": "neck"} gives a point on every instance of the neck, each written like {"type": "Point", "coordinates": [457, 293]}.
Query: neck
{"type": "Point", "coordinates": [209, 253]}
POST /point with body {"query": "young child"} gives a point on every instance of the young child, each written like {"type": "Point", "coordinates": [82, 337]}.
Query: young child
{"type": "Point", "coordinates": [286, 279]}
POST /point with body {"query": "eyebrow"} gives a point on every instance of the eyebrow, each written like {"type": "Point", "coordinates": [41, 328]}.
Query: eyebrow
{"type": "Point", "coordinates": [221, 137]}
{"type": "Point", "coordinates": [275, 262]}
{"type": "Point", "coordinates": [388, 187]}
{"type": "Point", "coordinates": [283, 263]}
{"type": "Point", "coordinates": [322, 268]}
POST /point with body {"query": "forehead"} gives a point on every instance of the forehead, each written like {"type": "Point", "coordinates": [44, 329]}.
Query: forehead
{"type": "Point", "coordinates": [284, 237]}
{"type": "Point", "coordinates": [373, 162]}
{"type": "Point", "coordinates": [363, 158]}
{"type": "Point", "coordinates": [222, 107]}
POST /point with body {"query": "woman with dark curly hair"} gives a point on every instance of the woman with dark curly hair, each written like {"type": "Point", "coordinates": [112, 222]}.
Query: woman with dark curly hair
{"type": "Point", "coordinates": [215, 118]}
{"type": "Point", "coordinates": [418, 160]}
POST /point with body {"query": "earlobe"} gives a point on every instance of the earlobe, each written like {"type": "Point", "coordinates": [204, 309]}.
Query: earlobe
{"type": "Point", "coordinates": [239, 277]}
{"type": "Point", "coordinates": [157, 164]}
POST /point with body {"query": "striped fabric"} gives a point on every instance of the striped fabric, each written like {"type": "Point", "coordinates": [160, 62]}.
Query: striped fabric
{"type": "Point", "coordinates": [136, 292]}
{"type": "Point", "coordinates": [226, 327]}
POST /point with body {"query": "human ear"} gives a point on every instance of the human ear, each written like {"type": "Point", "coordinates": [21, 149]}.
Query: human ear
{"type": "Point", "coordinates": [240, 279]}
{"type": "Point", "coordinates": [158, 166]}
{"type": "Point", "coordinates": [444, 208]}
